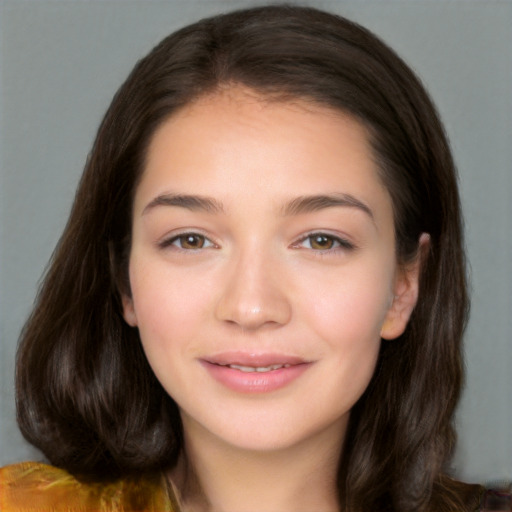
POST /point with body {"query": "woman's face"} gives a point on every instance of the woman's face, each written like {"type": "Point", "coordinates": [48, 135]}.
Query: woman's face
{"type": "Point", "coordinates": [262, 268]}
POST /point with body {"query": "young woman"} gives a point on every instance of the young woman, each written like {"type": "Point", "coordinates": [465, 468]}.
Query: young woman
{"type": "Point", "coordinates": [259, 298]}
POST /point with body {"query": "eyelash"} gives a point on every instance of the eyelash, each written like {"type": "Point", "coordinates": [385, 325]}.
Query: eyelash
{"type": "Point", "coordinates": [340, 244]}
{"type": "Point", "coordinates": [170, 242]}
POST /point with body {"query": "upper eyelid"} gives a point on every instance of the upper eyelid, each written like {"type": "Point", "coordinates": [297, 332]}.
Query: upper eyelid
{"type": "Point", "coordinates": [342, 240]}
{"type": "Point", "coordinates": [174, 233]}
{"type": "Point", "coordinates": [169, 238]}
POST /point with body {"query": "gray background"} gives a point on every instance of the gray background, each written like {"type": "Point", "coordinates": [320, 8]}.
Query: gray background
{"type": "Point", "coordinates": [61, 62]}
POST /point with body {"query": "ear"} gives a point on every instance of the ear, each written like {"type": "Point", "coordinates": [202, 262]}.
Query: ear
{"type": "Point", "coordinates": [405, 293]}
{"type": "Point", "coordinates": [129, 311]}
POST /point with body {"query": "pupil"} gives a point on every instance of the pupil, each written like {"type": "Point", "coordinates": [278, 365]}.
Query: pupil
{"type": "Point", "coordinates": [193, 241]}
{"type": "Point", "coordinates": [322, 242]}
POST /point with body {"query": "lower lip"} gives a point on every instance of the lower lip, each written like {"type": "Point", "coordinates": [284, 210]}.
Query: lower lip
{"type": "Point", "coordinates": [255, 382]}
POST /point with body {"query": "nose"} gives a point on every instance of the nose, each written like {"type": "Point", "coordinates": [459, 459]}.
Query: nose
{"type": "Point", "coordinates": [255, 294]}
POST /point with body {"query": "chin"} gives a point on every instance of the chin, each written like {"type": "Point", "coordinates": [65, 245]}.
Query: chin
{"type": "Point", "coordinates": [267, 431]}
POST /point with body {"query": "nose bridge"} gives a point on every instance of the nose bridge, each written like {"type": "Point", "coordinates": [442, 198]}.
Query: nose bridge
{"type": "Point", "coordinates": [254, 293]}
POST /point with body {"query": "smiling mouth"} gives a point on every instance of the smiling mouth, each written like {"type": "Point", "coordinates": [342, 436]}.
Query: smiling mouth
{"type": "Point", "coordinates": [254, 362]}
{"type": "Point", "coordinates": [255, 373]}
{"type": "Point", "coordinates": [259, 369]}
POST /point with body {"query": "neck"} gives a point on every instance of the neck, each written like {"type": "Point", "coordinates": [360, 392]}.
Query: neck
{"type": "Point", "coordinates": [213, 476]}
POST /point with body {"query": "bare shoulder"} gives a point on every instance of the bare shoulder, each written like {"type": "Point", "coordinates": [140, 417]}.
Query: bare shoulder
{"type": "Point", "coordinates": [32, 486]}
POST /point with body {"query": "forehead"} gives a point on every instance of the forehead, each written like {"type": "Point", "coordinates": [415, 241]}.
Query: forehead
{"type": "Point", "coordinates": [238, 141]}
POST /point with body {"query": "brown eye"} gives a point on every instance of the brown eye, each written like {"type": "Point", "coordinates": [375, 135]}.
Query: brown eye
{"type": "Point", "coordinates": [324, 242]}
{"type": "Point", "coordinates": [321, 242]}
{"type": "Point", "coordinates": [187, 242]}
{"type": "Point", "coordinates": [191, 241]}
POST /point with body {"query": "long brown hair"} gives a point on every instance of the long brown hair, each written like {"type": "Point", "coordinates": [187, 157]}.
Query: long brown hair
{"type": "Point", "coordinates": [86, 394]}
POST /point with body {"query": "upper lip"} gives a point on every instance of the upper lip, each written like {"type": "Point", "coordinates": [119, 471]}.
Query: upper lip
{"type": "Point", "coordinates": [254, 359]}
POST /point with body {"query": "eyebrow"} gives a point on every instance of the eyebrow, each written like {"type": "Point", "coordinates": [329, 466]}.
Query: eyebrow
{"type": "Point", "coordinates": [306, 204]}
{"type": "Point", "coordinates": [190, 202]}
{"type": "Point", "coordinates": [298, 205]}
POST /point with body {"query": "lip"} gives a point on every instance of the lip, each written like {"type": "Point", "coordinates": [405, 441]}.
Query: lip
{"type": "Point", "coordinates": [255, 382]}
{"type": "Point", "coordinates": [254, 359]}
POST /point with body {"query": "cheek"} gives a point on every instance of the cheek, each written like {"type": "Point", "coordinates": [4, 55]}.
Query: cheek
{"type": "Point", "coordinates": [170, 310]}
{"type": "Point", "coordinates": [169, 306]}
{"type": "Point", "coordinates": [352, 306]}
{"type": "Point", "coordinates": [348, 319]}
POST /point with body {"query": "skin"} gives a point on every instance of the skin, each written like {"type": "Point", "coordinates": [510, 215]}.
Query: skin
{"type": "Point", "coordinates": [253, 279]}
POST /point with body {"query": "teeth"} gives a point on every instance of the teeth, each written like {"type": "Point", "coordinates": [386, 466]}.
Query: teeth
{"type": "Point", "coordinates": [251, 369]}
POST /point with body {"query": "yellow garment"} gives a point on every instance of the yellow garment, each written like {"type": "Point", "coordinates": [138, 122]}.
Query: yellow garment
{"type": "Point", "coordinates": [31, 486]}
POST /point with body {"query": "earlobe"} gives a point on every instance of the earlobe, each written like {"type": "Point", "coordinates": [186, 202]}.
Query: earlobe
{"type": "Point", "coordinates": [405, 294]}
{"type": "Point", "coordinates": [129, 311]}
{"type": "Point", "coordinates": [401, 308]}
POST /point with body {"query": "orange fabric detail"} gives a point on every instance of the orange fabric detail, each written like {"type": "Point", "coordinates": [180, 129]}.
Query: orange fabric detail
{"type": "Point", "coordinates": [31, 487]}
